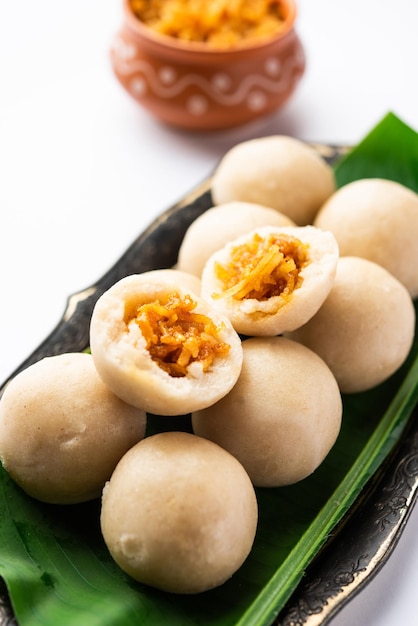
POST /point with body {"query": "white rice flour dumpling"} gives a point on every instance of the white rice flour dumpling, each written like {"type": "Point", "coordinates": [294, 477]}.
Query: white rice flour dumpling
{"type": "Point", "coordinates": [160, 347]}
{"type": "Point", "coordinates": [271, 280]}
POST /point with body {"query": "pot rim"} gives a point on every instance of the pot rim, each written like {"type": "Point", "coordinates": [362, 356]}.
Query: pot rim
{"type": "Point", "coordinates": [167, 43]}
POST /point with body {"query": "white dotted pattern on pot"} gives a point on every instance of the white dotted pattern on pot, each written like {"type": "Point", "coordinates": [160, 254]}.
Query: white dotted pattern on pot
{"type": "Point", "coordinates": [165, 83]}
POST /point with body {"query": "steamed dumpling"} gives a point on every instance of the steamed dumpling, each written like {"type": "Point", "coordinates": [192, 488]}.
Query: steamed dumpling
{"type": "Point", "coordinates": [365, 328]}
{"type": "Point", "coordinates": [277, 171]}
{"type": "Point", "coordinates": [179, 513]}
{"type": "Point", "coordinates": [160, 347]}
{"type": "Point", "coordinates": [62, 431]}
{"type": "Point", "coordinates": [219, 225]}
{"type": "Point", "coordinates": [377, 220]}
{"type": "Point", "coordinates": [272, 279]}
{"type": "Point", "coordinates": [282, 417]}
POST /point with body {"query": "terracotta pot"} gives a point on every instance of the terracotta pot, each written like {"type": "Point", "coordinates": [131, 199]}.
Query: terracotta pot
{"type": "Point", "coordinates": [194, 86]}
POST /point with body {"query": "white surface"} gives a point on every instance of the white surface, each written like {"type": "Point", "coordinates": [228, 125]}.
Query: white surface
{"type": "Point", "coordinates": [83, 170]}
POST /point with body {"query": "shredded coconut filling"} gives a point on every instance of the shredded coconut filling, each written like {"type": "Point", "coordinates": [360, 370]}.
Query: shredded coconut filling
{"type": "Point", "coordinates": [220, 22]}
{"type": "Point", "coordinates": [177, 337]}
{"type": "Point", "coordinates": [262, 268]}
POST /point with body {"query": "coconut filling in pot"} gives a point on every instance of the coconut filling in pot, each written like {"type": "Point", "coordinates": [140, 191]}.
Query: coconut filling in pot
{"type": "Point", "coordinates": [178, 339]}
{"type": "Point", "coordinates": [262, 268]}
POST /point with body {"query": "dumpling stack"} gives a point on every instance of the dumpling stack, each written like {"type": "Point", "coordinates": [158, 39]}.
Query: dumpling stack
{"type": "Point", "coordinates": [338, 282]}
{"type": "Point", "coordinates": [287, 292]}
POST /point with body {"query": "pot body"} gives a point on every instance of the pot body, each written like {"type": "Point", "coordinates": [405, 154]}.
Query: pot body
{"type": "Point", "coordinates": [193, 86]}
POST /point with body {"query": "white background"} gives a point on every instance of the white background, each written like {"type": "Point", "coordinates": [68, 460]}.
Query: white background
{"type": "Point", "coordinates": [83, 169]}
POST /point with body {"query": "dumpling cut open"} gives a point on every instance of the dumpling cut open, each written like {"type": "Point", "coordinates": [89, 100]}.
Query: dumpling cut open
{"type": "Point", "coordinates": [273, 279]}
{"type": "Point", "coordinates": [160, 347]}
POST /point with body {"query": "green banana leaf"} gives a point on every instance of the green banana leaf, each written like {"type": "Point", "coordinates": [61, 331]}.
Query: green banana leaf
{"type": "Point", "coordinates": [54, 562]}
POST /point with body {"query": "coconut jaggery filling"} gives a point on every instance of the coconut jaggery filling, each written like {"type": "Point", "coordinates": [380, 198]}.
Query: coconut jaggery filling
{"type": "Point", "coordinates": [219, 22]}
{"type": "Point", "coordinates": [263, 267]}
{"type": "Point", "coordinates": [176, 336]}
